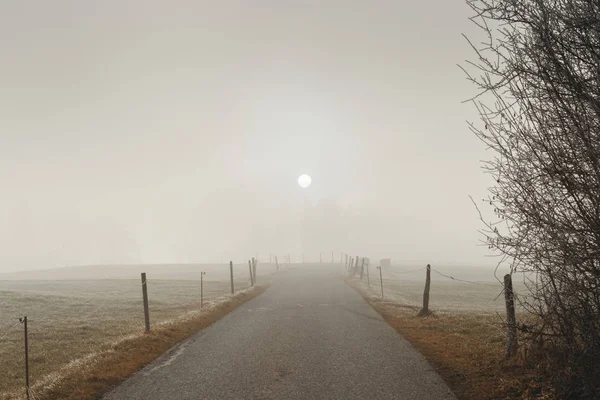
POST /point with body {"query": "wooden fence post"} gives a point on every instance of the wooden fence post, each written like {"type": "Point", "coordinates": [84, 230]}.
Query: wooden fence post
{"type": "Point", "coordinates": [251, 274]}
{"type": "Point", "coordinates": [362, 268]}
{"type": "Point", "coordinates": [27, 389]}
{"type": "Point", "coordinates": [509, 297]}
{"type": "Point", "coordinates": [425, 310]}
{"type": "Point", "coordinates": [231, 276]}
{"type": "Point", "coordinates": [145, 298]}
{"type": "Point", "coordinates": [254, 262]}
{"type": "Point", "coordinates": [202, 273]}
{"type": "Point", "coordinates": [368, 278]}
{"type": "Point", "coordinates": [380, 280]}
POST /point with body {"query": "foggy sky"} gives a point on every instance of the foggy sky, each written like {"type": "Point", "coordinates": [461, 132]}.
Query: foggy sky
{"type": "Point", "coordinates": [163, 132]}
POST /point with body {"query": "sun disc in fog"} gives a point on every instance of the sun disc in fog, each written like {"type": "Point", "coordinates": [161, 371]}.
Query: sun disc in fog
{"type": "Point", "coordinates": [304, 181]}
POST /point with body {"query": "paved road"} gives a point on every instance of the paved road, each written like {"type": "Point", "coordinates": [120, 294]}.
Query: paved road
{"type": "Point", "coordinates": [309, 336]}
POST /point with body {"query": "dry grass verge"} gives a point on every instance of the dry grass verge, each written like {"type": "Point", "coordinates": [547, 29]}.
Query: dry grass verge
{"type": "Point", "coordinates": [467, 350]}
{"type": "Point", "coordinates": [90, 377]}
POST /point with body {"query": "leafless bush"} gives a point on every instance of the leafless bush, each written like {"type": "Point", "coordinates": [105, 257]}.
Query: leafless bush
{"type": "Point", "coordinates": [539, 76]}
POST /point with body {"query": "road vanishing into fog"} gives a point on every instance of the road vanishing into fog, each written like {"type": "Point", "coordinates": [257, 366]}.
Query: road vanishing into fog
{"type": "Point", "coordinates": [309, 336]}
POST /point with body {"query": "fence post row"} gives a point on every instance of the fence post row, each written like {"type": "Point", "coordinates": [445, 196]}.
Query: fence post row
{"type": "Point", "coordinates": [425, 309]}
{"type": "Point", "coordinates": [231, 276]}
{"type": "Point", "coordinates": [509, 297]}
{"type": "Point", "coordinates": [145, 298]}
{"type": "Point", "coordinates": [511, 346]}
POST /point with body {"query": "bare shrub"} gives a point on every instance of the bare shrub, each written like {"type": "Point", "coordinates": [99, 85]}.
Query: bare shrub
{"type": "Point", "coordinates": [539, 76]}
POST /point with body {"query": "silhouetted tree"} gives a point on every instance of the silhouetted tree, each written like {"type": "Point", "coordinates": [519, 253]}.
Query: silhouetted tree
{"type": "Point", "coordinates": [539, 76]}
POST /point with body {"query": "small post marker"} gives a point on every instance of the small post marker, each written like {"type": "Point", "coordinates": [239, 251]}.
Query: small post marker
{"type": "Point", "coordinates": [145, 298]}
{"type": "Point", "coordinates": [362, 269]}
{"type": "Point", "coordinates": [380, 280]}
{"type": "Point", "coordinates": [251, 275]}
{"type": "Point", "coordinates": [202, 273]}
{"type": "Point", "coordinates": [254, 263]}
{"type": "Point", "coordinates": [368, 277]}
{"type": "Point", "coordinates": [27, 388]}
{"type": "Point", "coordinates": [231, 276]}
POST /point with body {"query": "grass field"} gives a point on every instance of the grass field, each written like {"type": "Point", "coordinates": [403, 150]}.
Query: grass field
{"type": "Point", "coordinates": [71, 319]}
{"type": "Point", "coordinates": [464, 337]}
{"type": "Point", "coordinates": [73, 313]}
{"type": "Point", "coordinates": [405, 285]}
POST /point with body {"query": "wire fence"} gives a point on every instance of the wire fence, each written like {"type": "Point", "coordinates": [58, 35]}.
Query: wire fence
{"type": "Point", "coordinates": [460, 293]}
{"type": "Point", "coordinates": [69, 320]}
{"type": "Point", "coordinates": [449, 291]}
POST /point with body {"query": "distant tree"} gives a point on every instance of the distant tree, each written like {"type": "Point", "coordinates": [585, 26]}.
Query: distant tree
{"type": "Point", "coordinates": [539, 75]}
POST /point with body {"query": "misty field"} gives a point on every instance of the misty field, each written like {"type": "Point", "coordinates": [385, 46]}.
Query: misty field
{"type": "Point", "coordinates": [405, 285]}
{"type": "Point", "coordinates": [465, 336]}
{"type": "Point", "coordinates": [72, 319]}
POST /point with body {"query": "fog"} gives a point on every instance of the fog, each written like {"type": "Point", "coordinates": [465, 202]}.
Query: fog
{"type": "Point", "coordinates": [174, 132]}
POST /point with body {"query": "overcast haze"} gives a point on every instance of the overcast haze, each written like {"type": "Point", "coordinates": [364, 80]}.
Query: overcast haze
{"type": "Point", "coordinates": [174, 132]}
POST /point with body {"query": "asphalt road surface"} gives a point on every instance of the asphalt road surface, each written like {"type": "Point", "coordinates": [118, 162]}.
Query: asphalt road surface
{"type": "Point", "coordinates": [309, 336]}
